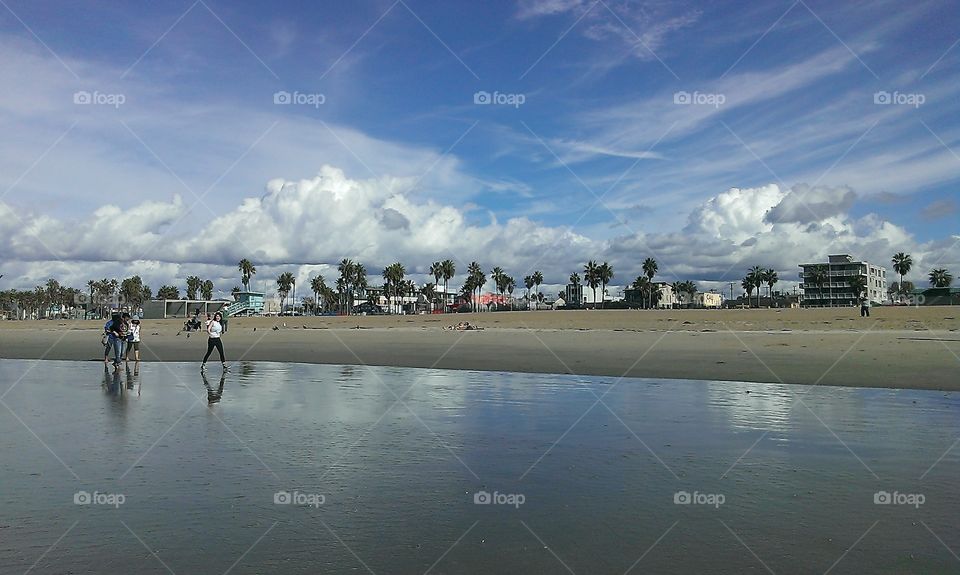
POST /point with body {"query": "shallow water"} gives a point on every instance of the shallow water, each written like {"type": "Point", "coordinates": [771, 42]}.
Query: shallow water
{"type": "Point", "coordinates": [384, 464]}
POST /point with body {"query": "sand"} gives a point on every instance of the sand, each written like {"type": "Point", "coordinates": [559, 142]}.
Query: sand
{"type": "Point", "coordinates": [897, 347]}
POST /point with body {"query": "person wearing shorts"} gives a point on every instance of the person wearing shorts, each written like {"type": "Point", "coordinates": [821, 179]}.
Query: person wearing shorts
{"type": "Point", "coordinates": [133, 341]}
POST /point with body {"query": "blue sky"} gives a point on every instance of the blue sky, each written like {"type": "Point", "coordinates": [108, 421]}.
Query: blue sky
{"type": "Point", "coordinates": [602, 157]}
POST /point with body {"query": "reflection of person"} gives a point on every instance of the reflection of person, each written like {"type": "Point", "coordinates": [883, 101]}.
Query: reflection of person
{"type": "Point", "coordinates": [111, 382]}
{"type": "Point", "coordinates": [214, 331]}
{"type": "Point", "coordinates": [213, 395]}
{"type": "Point", "coordinates": [864, 307]}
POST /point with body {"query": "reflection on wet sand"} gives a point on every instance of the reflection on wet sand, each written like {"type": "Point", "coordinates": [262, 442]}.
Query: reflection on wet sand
{"type": "Point", "coordinates": [213, 395]}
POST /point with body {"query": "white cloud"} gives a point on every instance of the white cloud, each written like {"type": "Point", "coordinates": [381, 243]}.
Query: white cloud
{"type": "Point", "coordinates": [308, 225]}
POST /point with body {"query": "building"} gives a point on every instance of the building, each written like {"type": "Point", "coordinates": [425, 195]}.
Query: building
{"type": "Point", "coordinates": [667, 298]}
{"type": "Point", "coordinates": [836, 290]}
{"type": "Point", "coordinates": [707, 300]}
{"type": "Point", "coordinates": [185, 308]}
{"type": "Point", "coordinates": [573, 294]}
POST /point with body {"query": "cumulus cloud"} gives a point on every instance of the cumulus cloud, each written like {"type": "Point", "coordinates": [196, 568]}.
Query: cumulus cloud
{"type": "Point", "coordinates": [306, 226]}
{"type": "Point", "coordinates": [805, 205]}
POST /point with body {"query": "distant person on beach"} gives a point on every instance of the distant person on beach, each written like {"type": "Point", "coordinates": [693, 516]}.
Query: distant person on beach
{"type": "Point", "coordinates": [214, 331]}
{"type": "Point", "coordinates": [864, 307]}
{"type": "Point", "coordinates": [133, 341]}
{"type": "Point", "coordinates": [223, 321]}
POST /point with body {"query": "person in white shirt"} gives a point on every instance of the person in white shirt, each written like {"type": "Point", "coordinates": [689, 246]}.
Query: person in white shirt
{"type": "Point", "coordinates": [214, 331]}
{"type": "Point", "coordinates": [133, 341]}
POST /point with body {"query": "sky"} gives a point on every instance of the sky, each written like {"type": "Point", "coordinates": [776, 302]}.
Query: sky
{"type": "Point", "coordinates": [173, 138]}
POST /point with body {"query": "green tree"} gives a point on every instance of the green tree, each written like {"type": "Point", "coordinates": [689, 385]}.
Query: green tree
{"type": "Point", "coordinates": [771, 278]}
{"type": "Point", "coordinates": [858, 285]}
{"type": "Point", "coordinates": [193, 287]}
{"type": "Point", "coordinates": [247, 271]}
{"type": "Point", "coordinates": [206, 290]}
{"type": "Point", "coordinates": [477, 280]}
{"type": "Point", "coordinates": [940, 278]}
{"type": "Point", "coordinates": [168, 292]}
{"type": "Point", "coordinates": [285, 282]}
{"type": "Point", "coordinates": [605, 272]}
{"type": "Point", "coordinates": [319, 286]}
{"type": "Point", "coordinates": [817, 276]}
{"type": "Point", "coordinates": [901, 264]}
{"type": "Point", "coordinates": [650, 269]}
{"type": "Point", "coordinates": [449, 270]}
{"type": "Point", "coordinates": [591, 275]}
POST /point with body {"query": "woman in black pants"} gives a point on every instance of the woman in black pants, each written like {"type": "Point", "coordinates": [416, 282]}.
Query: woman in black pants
{"type": "Point", "coordinates": [214, 330]}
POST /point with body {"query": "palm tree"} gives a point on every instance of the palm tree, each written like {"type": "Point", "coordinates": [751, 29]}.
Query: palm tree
{"type": "Point", "coordinates": [436, 270]}
{"type": "Point", "coordinates": [818, 277]}
{"type": "Point", "coordinates": [478, 279]}
{"type": "Point", "coordinates": [499, 278]}
{"type": "Point", "coordinates": [689, 288]}
{"type": "Point", "coordinates": [605, 272]}
{"type": "Point", "coordinates": [771, 278]}
{"type": "Point", "coordinates": [206, 290]}
{"type": "Point", "coordinates": [193, 286]}
{"type": "Point", "coordinates": [449, 270]}
{"type": "Point", "coordinates": [859, 286]}
{"type": "Point", "coordinates": [394, 285]}
{"type": "Point", "coordinates": [247, 270]}
{"type": "Point", "coordinates": [358, 282]}
{"type": "Point", "coordinates": [509, 285]}
{"type": "Point", "coordinates": [940, 278]}
{"type": "Point", "coordinates": [319, 286]}
{"type": "Point", "coordinates": [528, 283]}
{"type": "Point", "coordinates": [591, 275]}
{"type": "Point", "coordinates": [901, 264]}
{"type": "Point", "coordinates": [168, 292]}
{"type": "Point", "coordinates": [537, 280]}
{"type": "Point", "coordinates": [284, 285]}
{"type": "Point", "coordinates": [747, 284]}
{"type": "Point", "coordinates": [429, 292]}
{"type": "Point", "coordinates": [650, 269]}
{"type": "Point", "coordinates": [756, 274]}
{"type": "Point", "coordinates": [642, 284]}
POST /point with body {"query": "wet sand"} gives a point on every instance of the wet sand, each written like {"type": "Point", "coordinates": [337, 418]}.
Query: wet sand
{"type": "Point", "coordinates": [897, 347]}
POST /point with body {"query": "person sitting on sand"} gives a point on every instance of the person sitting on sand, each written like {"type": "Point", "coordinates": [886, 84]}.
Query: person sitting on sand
{"type": "Point", "coordinates": [464, 326]}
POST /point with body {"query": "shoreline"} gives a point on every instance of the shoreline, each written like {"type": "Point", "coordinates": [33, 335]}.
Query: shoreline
{"type": "Point", "coordinates": [905, 349]}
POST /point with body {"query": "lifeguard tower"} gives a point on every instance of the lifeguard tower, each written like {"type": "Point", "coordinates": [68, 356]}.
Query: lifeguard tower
{"type": "Point", "coordinates": [248, 303]}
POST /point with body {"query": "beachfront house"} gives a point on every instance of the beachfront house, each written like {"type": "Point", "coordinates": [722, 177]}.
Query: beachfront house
{"type": "Point", "coordinates": [708, 300]}
{"type": "Point", "coordinates": [836, 290]}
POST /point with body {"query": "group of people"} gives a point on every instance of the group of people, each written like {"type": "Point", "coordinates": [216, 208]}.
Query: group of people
{"type": "Point", "coordinates": [121, 335]}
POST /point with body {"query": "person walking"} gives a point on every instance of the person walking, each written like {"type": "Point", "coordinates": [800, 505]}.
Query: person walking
{"type": "Point", "coordinates": [214, 331]}
{"type": "Point", "coordinates": [133, 341]}
{"type": "Point", "coordinates": [117, 334]}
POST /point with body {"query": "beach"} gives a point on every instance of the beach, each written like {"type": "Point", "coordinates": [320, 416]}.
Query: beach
{"type": "Point", "coordinates": [902, 347]}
